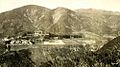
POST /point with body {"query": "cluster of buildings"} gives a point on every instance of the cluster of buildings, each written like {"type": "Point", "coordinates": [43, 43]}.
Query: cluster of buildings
{"type": "Point", "coordinates": [30, 38]}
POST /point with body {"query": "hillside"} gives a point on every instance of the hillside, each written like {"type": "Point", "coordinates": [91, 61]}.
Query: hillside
{"type": "Point", "coordinates": [58, 21]}
{"type": "Point", "coordinates": [99, 21]}
{"type": "Point", "coordinates": [24, 19]}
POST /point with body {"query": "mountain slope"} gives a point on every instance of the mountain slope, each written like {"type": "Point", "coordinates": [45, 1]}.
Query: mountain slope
{"type": "Point", "coordinates": [60, 21]}
{"type": "Point", "coordinates": [65, 21]}
{"type": "Point", "coordinates": [99, 21]}
{"type": "Point", "coordinates": [24, 19]}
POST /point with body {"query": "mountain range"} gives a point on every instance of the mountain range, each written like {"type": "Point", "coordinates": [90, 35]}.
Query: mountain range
{"type": "Point", "coordinates": [60, 21]}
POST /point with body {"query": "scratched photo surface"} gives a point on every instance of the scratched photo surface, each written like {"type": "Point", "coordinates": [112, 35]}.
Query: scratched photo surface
{"type": "Point", "coordinates": [59, 33]}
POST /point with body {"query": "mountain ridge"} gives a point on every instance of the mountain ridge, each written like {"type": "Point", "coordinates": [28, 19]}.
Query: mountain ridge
{"type": "Point", "coordinates": [62, 21]}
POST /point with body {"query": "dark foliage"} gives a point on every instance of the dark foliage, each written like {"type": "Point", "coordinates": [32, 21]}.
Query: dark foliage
{"type": "Point", "coordinates": [16, 59]}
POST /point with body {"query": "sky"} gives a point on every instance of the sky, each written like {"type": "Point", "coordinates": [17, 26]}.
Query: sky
{"type": "Point", "coordinates": [110, 5]}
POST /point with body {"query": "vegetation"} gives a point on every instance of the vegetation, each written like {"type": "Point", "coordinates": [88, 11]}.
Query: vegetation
{"type": "Point", "coordinates": [62, 22]}
{"type": "Point", "coordinates": [61, 56]}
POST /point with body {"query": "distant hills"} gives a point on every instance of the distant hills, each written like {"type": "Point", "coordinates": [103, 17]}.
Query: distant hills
{"type": "Point", "coordinates": [60, 21]}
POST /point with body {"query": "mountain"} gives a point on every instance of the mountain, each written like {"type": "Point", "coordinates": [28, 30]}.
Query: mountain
{"type": "Point", "coordinates": [24, 19]}
{"type": "Point", "coordinates": [100, 21]}
{"type": "Point", "coordinates": [65, 21]}
{"type": "Point", "coordinates": [60, 21]}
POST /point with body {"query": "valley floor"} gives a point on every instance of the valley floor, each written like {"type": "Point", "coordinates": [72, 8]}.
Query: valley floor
{"type": "Point", "coordinates": [91, 43]}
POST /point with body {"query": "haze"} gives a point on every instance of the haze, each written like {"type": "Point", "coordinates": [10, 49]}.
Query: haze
{"type": "Point", "coordinates": [110, 5]}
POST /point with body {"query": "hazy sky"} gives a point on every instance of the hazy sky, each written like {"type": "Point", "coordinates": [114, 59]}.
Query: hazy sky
{"type": "Point", "coordinates": [113, 5]}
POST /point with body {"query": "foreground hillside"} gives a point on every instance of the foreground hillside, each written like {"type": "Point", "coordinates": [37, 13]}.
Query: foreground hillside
{"type": "Point", "coordinates": [58, 21]}
{"type": "Point", "coordinates": [63, 56]}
